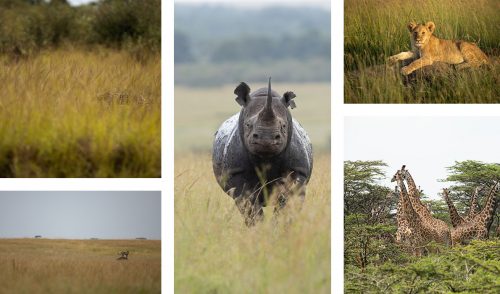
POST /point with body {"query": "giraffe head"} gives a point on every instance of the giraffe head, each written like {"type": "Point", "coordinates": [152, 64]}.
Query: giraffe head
{"type": "Point", "coordinates": [399, 173]}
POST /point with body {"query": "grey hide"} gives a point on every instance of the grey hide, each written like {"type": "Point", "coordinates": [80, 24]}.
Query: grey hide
{"type": "Point", "coordinates": [248, 177]}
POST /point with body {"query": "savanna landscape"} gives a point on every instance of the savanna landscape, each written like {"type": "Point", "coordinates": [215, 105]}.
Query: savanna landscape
{"type": "Point", "coordinates": [375, 30]}
{"type": "Point", "coordinates": [79, 266]}
{"type": "Point", "coordinates": [81, 89]}
{"type": "Point", "coordinates": [216, 48]}
{"type": "Point", "coordinates": [377, 259]}
{"type": "Point", "coordinates": [214, 250]}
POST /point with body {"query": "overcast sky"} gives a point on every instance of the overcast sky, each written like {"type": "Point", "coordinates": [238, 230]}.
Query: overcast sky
{"type": "Point", "coordinates": [243, 3]}
{"type": "Point", "coordinates": [79, 2]}
{"type": "Point", "coordinates": [427, 145]}
{"type": "Point", "coordinates": [261, 3]}
{"type": "Point", "coordinates": [80, 215]}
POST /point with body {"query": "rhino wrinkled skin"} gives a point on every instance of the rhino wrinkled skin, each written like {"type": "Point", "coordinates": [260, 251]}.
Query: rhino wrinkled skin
{"type": "Point", "coordinates": [261, 150]}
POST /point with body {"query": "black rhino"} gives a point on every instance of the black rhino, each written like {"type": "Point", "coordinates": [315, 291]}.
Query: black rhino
{"type": "Point", "coordinates": [262, 151]}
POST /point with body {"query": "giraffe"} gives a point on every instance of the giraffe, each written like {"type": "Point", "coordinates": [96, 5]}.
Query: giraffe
{"type": "Point", "coordinates": [478, 227]}
{"type": "Point", "coordinates": [402, 211]}
{"type": "Point", "coordinates": [456, 219]}
{"type": "Point", "coordinates": [437, 229]}
{"type": "Point", "coordinates": [473, 211]}
{"type": "Point", "coordinates": [410, 232]}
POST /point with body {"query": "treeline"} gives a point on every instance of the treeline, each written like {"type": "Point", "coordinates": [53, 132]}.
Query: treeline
{"type": "Point", "coordinates": [205, 33]}
{"type": "Point", "coordinates": [290, 43]}
{"type": "Point", "coordinates": [308, 45]}
{"type": "Point", "coordinates": [371, 253]}
{"type": "Point", "coordinates": [27, 26]}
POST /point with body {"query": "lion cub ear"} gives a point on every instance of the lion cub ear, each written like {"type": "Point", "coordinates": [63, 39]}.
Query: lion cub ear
{"type": "Point", "coordinates": [430, 26]}
{"type": "Point", "coordinates": [412, 25]}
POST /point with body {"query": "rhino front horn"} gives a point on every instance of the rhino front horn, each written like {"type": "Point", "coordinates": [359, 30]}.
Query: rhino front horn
{"type": "Point", "coordinates": [267, 112]}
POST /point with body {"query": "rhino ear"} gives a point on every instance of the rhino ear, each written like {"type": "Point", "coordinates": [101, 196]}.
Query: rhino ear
{"type": "Point", "coordinates": [243, 93]}
{"type": "Point", "coordinates": [288, 99]}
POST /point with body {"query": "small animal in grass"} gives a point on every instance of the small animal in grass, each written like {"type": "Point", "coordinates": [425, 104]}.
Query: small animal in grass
{"type": "Point", "coordinates": [124, 255]}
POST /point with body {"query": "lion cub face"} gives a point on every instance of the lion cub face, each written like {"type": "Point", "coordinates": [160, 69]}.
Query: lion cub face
{"type": "Point", "coordinates": [421, 33]}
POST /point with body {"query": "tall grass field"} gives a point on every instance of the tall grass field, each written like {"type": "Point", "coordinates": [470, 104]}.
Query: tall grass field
{"type": "Point", "coordinates": [374, 30]}
{"type": "Point", "coordinates": [214, 250]}
{"type": "Point", "coordinates": [216, 253]}
{"type": "Point", "coordinates": [79, 266]}
{"type": "Point", "coordinates": [77, 113]}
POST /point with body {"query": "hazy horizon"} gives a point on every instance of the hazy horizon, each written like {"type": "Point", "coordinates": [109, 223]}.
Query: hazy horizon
{"type": "Point", "coordinates": [255, 4]}
{"type": "Point", "coordinates": [80, 215]}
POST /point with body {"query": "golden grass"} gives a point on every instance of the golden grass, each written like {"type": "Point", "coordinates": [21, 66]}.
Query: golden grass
{"type": "Point", "coordinates": [73, 113]}
{"type": "Point", "coordinates": [200, 111]}
{"type": "Point", "coordinates": [375, 30]}
{"type": "Point", "coordinates": [216, 253]}
{"type": "Point", "coordinates": [79, 266]}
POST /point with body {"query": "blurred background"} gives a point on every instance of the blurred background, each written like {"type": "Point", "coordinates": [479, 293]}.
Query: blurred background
{"type": "Point", "coordinates": [28, 26]}
{"type": "Point", "coordinates": [221, 43]}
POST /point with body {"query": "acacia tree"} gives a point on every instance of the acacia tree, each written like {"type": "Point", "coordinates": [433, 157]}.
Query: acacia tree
{"type": "Point", "coordinates": [369, 208]}
{"type": "Point", "coordinates": [466, 176]}
{"type": "Point", "coordinates": [362, 193]}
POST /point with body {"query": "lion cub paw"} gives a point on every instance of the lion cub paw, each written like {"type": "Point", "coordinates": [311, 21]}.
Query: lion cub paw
{"type": "Point", "coordinates": [393, 59]}
{"type": "Point", "coordinates": [405, 70]}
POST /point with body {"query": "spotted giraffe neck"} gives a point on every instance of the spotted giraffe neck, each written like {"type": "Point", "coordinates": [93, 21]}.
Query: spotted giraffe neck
{"type": "Point", "coordinates": [456, 219]}
{"type": "Point", "coordinates": [414, 195]}
{"type": "Point", "coordinates": [406, 205]}
{"type": "Point", "coordinates": [473, 204]}
{"type": "Point", "coordinates": [489, 207]}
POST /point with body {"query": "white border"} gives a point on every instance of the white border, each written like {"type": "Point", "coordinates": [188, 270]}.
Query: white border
{"type": "Point", "coordinates": [167, 87]}
{"type": "Point", "coordinates": [337, 166]}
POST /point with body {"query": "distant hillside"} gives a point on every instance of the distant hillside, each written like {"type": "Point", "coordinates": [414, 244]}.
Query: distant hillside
{"type": "Point", "coordinates": [206, 26]}
{"type": "Point", "coordinates": [204, 22]}
{"type": "Point", "coordinates": [216, 44]}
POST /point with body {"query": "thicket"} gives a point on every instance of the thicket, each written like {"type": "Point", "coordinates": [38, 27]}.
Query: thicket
{"type": "Point", "coordinates": [375, 263]}
{"type": "Point", "coordinates": [28, 26]}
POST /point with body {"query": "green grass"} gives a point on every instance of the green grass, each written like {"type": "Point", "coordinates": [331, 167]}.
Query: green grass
{"type": "Point", "coordinates": [73, 113]}
{"type": "Point", "coordinates": [216, 253]}
{"type": "Point", "coordinates": [375, 30]}
{"type": "Point", "coordinates": [79, 266]}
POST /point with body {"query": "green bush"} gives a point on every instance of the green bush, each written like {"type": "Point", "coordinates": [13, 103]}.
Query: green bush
{"type": "Point", "coordinates": [120, 22]}
{"type": "Point", "coordinates": [27, 28]}
{"type": "Point", "coordinates": [470, 269]}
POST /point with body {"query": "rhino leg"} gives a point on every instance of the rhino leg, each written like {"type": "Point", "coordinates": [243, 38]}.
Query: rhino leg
{"type": "Point", "coordinates": [251, 208]}
{"type": "Point", "coordinates": [289, 187]}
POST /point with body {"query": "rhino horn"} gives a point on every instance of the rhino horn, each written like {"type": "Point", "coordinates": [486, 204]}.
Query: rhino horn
{"type": "Point", "coordinates": [267, 112]}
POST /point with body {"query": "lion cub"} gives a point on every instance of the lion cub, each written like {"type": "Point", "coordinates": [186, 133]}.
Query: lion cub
{"type": "Point", "coordinates": [426, 49]}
